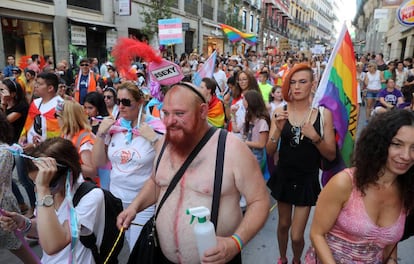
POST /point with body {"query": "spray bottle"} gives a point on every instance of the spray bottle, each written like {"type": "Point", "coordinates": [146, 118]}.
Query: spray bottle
{"type": "Point", "coordinates": [203, 230]}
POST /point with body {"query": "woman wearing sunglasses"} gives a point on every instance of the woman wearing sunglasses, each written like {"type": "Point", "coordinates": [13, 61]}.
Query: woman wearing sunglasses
{"type": "Point", "coordinates": [110, 101]}
{"type": "Point", "coordinates": [129, 143]}
{"type": "Point", "coordinates": [75, 127]}
{"type": "Point", "coordinates": [295, 181]}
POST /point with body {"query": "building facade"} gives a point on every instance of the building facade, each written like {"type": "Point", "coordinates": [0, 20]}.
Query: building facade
{"type": "Point", "coordinates": [378, 30]}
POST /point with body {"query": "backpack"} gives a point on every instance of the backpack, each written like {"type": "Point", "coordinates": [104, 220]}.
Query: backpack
{"type": "Point", "coordinates": [113, 207]}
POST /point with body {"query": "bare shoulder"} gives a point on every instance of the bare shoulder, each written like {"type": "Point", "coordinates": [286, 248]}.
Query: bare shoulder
{"type": "Point", "coordinates": [339, 186]}
{"type": "Point", "coordinates": [237, 151]}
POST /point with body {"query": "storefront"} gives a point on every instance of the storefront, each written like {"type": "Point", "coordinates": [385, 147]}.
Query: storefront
{"type": "Point", "coordinates": [211, 43]}
{"type": "Point", "coordinates": [89, 39]}
{"type": "Point", "coordinates": [24, 37]}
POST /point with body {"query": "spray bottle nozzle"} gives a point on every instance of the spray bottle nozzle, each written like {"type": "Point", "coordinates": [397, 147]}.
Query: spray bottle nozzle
{"type": "Point", "coordinates": [200, 212]}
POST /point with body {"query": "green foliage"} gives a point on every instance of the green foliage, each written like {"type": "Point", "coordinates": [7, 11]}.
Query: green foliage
{"type": "Point", "coordinates": [233, 17]}
{"type": "Point", "coordinates": [158, 9]}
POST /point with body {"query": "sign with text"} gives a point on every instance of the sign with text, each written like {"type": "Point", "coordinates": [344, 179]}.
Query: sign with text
{"type": "Point", "coordinates": [170, 31]}
{"type": "Point", "coordinates": [111, 38]}
{"type": "Point", "coordinates": [124, 7]}
{"type": "Point", "coordinates": [78, 35]}
{"type": "Point", "coordinates": [405, 14]}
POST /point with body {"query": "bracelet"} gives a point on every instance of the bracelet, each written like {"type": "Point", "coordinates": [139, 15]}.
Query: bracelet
{"type": "Point", "coordinates": [317, 142]}
{"type": "Point", "coordinates": [238, 241]}
{"type": "Point", "coordinates": [28, 225]}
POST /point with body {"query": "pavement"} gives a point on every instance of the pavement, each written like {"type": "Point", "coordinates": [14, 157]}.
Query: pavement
{"type": "Point", "coordinates": [263, 248]}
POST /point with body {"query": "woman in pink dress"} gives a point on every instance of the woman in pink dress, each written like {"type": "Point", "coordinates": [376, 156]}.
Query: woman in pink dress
{"type": "Point", "coordinates": [360, 214]}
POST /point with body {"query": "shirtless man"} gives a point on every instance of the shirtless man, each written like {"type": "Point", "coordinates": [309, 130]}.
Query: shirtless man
{"type": "Point", "coordinates": [185, 117]}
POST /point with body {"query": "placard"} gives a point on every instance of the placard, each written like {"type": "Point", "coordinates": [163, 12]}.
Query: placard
{"type": "Point", "coordinates": [78, 35]}
{"type": "Point", "coordinates": [170, 31]}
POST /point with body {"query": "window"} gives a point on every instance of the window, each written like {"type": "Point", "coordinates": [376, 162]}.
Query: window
{"type": "Point", "coordinates": [244, 19]}
{"type": "Point", "coordinates": [257, 25]}
{"type": "Point", "coordinates": [251, 23]}
{"type": "Point", "coordinates": [90, 4]}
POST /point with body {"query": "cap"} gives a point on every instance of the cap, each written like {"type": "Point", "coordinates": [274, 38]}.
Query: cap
{"type": "Point", "coordinates": [16, 69]}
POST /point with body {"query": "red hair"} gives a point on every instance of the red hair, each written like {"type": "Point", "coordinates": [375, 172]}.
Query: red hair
{"type": "Point", "coordinates": [286, 82]}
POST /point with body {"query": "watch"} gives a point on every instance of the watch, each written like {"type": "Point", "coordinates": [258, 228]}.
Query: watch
{"type": "Point", "coordinates": [46, 201]}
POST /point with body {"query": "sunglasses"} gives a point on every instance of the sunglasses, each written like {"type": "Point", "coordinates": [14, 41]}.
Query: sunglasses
{"type": "Point", "coordinates": [124, 101]}
{"type": "Point", "coordinates": [57, 115]}
{"type": "Point", "coordinates": [37, 125]}
{"type": "Point", "coordinates": [84, 64]}
{"type": "Point", "coordinates": [295, 140]}
{"type": "Point", "coordinates": [108, 97]}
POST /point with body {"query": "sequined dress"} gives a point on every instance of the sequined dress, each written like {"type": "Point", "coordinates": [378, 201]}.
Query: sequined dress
{"type": "Point", "coordinates": [355, 238]}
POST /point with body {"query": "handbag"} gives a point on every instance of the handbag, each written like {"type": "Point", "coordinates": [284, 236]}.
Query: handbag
{"type": "Point", "coordinates": [147, 248]}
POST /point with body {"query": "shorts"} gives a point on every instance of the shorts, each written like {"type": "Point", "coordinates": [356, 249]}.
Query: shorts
{"type": "Point", "coordinates": [372, 95]}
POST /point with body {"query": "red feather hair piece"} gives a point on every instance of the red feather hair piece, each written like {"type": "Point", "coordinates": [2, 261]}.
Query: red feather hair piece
{"type": "Point", "coordinates": [126, 50]}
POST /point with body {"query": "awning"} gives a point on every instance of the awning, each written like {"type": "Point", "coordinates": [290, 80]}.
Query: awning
{"type": "Point", "coordinates": [93, 23]}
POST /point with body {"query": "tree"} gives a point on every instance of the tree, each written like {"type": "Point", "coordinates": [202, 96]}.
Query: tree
{"type": "Point", "coordinates": [158, 9]}
{"type": "Point", "coordinates": [233, 14]}
{"type": "Point", "coordinates": [233, 18]}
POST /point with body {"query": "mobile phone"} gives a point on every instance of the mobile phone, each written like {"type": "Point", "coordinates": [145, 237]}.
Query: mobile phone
{"type": "Point", "coordinates": [285, 107]}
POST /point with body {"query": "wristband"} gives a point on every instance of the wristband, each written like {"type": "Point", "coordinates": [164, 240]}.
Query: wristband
{"type": "Point", "coordinates": [238, 241]}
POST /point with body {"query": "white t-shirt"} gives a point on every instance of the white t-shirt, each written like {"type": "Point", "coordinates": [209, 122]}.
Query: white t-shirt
{"type": "Point", "coordinates": [374, 81]}
{"type": "Point", "coordinates": [91, 214]}
{"type": "Point", "coordinates": [44, 108]}
{"type": "Point", "coordinates": [131, 165]}
{"type": "Point", "coordinates": [221, 80]}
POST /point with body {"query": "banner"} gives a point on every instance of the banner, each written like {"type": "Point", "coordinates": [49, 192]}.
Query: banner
{"type": "Point", "coordinates": [170, 31]}
{"type": "Point", "coordinates": [206, 70]}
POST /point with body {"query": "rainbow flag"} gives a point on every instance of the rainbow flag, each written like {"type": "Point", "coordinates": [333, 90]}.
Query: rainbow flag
{"type": "Point", "coordinates": [216, 114]}
{"type": "Point", "coordinates": [235, 35]}
{"type": "Point", "coordinates": [337, 91]}
{"type": "Point", "coordinates": [206, 70]}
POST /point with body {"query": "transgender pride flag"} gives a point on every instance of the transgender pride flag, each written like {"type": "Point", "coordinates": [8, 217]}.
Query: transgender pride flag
{"type": "Point", "coordinates": [206, 70]}
{"type": "Point", "coordinates": [170, 31]}
{"type": "Point", "coordinates": [337, 91]}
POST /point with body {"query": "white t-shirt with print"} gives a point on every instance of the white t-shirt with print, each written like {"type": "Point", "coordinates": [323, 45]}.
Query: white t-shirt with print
{"type": "Point", "coordinates": [131, 165]}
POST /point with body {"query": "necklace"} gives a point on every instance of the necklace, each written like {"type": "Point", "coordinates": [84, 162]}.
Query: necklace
{"type": "Point", "coordinates": [305, 117]}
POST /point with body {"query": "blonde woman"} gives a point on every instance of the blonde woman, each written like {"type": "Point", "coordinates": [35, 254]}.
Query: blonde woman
{"type": "Point", "coordinates": [75, 127]}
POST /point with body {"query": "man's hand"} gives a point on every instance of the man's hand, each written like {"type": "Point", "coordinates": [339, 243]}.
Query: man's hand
{"type": "Point", "coordinates": [225, 251]}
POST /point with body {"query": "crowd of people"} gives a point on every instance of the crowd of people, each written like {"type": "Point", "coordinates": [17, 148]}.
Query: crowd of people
{"type": "Point", "coordinates": [92, 124]}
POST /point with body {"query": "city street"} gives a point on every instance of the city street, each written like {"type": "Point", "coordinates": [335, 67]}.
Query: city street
{"type": "Point", "coordinates": [263, 248]}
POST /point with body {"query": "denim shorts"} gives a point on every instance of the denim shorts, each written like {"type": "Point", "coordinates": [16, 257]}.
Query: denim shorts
{"type": "Point", "coordinates": [372, 95]}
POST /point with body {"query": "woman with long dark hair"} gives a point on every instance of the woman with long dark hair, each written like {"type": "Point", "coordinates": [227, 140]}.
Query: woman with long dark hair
{"type": "Point", "coordinates": [361, 212]}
